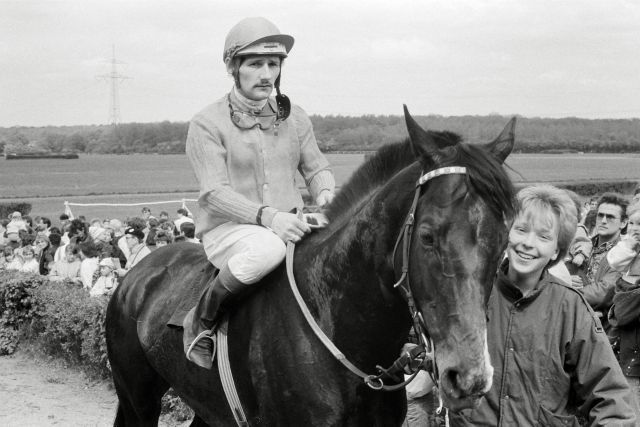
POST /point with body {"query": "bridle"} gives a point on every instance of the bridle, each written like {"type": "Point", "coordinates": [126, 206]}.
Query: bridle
{"type": "Point", "coordinates": [425, 352]}
{"type": "Point", "coordinates": [403, 284]}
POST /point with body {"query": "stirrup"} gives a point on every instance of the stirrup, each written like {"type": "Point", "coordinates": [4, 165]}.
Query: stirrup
{"type": "Point", "coordinates": [206, 334]}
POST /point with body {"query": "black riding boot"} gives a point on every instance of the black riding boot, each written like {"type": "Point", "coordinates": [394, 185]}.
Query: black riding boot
{"type": "Point", "coordinates": [201, 321]}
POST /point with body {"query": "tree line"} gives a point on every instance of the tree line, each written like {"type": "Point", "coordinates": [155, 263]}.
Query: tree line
{"type": "Point", "coordinates": [339, 133]}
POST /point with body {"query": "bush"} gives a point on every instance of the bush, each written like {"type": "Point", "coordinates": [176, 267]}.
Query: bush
{"type": "Point", "coordinates": [60, 317]}
{"type": "Point", "coordinates": [8, 208]}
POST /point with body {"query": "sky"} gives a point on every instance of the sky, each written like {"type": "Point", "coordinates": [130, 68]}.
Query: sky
{"type": "Point", "coordinates": [535, 58]}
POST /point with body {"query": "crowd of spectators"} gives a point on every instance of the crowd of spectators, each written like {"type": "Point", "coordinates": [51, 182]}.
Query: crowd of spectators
{"type": "Point", "coordinates": [96, 254]}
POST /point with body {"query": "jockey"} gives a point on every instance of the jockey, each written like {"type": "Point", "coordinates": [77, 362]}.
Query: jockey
{"type": "Point", "coordinates": [245, 150]}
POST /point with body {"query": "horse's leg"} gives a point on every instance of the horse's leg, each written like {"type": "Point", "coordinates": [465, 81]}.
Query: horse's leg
{"type": "Point", "coordinates": [138, 386]}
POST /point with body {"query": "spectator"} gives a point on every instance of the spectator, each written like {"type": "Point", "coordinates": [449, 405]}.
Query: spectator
{"type": "Point", "coordinates": [88, 262]}
{"type": "Point", "coordinates": [146, 213]}
{"type": "Point", "coordinates": [624, 315]}
{"type": "Point", "coordinates": [119, 240]}
{"type": "Point", "coordinates": [44, 226]}
{"type": "Point", "coordinates": [188, 230]}
{"type": "Point", "coordinates": [14, 226]}
{"type": "Point", "coordinates": [12, 258]}
{"type": "Point", "coordinates": [598, 280]}
{"type": "Point", "coordinates": [581, 246]}
{"type": "Point", "coordinates": [163, 238]}
{"type": "Point", "coordinates": [5, 251]}
{"type": "Point", "coordinates": [68, 267]}
{"type": "Point", "coordinates": [135, 240]}
{"type": "Point", "coordinates": [43, 256]}
{"type": "Point", "coordinates": [181, 218]}
{"type": "Point", "coordinates": [64, 222]}
{"type": "Point", "coordinates": [50, 251]}
{"type": "Point", "coordinates": [107, 281]}
{"type": "Point", "coordinates": [78, 231]}
{"type": "Point", "coordinates": [3, 232]}
{"type": "Point", "coordinates": [106, 223]}
{"type": "Point", "coordinates": [163, 216]}
{"type": "Point", "coordinates": [30, 264]}
{"type": "Point", "coordinates": [636, 195]}
{"type": "Point", "coordinates": [150, 238]}
{"type": "Point", "coordinates": [551, 357]}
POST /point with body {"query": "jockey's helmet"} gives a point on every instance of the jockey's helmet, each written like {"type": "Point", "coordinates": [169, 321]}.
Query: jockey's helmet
{"type": "Point", "coordinates": [256, 36]}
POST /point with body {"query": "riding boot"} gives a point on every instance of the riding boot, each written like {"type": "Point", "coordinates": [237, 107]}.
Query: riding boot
{"type": "Point", "coordinates": [200, 323]}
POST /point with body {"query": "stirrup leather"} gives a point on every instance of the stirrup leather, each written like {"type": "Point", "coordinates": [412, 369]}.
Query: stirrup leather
{"type": "Point", "coordinates": [206, 334]}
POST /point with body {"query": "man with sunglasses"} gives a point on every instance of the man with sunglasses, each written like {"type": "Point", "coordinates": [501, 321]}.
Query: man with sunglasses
{"type": "Point", "coordinates": [245, 150]}
{"type": "Point", "coordinates": [598, 279]}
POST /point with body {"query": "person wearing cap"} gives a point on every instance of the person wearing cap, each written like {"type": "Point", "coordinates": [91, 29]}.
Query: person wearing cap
{"type": "Point", "coordinates": [245, 150]}
{"type": "Point", "coordinates": [107, 281]}
{"type": "Point", "coordinates": [134, 237]}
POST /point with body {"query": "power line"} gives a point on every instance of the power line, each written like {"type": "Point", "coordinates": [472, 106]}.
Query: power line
{"type": "Point", "coordinates": [114, 77]}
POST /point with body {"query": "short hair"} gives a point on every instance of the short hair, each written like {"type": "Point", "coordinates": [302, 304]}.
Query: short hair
{"type": "Point", "coordinates": [615, 199]}
{"type": "Point", "coordinates": [46, 220]}
{"type": "Point", "coordinates": [71, 249]}
{"type": "Point", "coordinates": [633, 208]}
{"type": "Point", "coordinates": [64, 217]}
{"type": "Point", "coordinates": [28, 248]}
{"type": "Point", "coordinates": [146, 209]}
{"type": "Point", "coordinates": [55, 238]}
{"type": "Point", "coordinates": [165, 213]}
{"type": "Point", "coordinates": [88, 248]}
{"type": "Point", "coordinates": [153, 222]}
{"type": "Point", "coordinates": [77, 225]}
{"type": "Point", "coordinates": [183, 211]}
{"type": "Point", "coordinates": [560, 204]}
{"type": "Point", "coordinates": [163, 236]}
{"type": "Point", "coordinates": [189, 229]}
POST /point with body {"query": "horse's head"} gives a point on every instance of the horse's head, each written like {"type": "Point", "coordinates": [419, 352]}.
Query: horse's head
{"type": "Point", "coordinates": [458, 237]}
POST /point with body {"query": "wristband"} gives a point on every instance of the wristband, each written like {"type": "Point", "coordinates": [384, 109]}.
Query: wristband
{"type": "Point", "coordinates": [259, 215]}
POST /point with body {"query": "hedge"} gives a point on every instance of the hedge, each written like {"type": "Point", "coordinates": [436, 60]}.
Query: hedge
{"type": "Point", "coordinates": [60, 317]}
{"type": "Point", "coordinates": [7, 208]}
{"type": "Point", "coordinates": [65, 322]}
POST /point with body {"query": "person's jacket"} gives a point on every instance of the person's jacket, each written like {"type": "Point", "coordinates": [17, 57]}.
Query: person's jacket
{"type": "Point", "coordinates": [599, 292]}
{"type": "Point", "coordinates": [624, 316]}
{"type": "Point", "coordinates": [550, 357]}
{"type": "Point", "coordinates": [240, 170]}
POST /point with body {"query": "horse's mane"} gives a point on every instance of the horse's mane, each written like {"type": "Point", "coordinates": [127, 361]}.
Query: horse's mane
{"type": "Point", "coordinates": [486, 177]}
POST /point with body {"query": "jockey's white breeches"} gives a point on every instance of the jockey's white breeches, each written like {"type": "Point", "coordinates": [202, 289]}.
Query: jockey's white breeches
{"type": "Point", "coordinates": [250, 251]}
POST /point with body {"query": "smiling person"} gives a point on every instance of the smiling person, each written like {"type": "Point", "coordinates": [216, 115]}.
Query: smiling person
{"type": "Point", "coordinates": [245, 150]}
{"type": "Point", "coordinates": [551, 357]}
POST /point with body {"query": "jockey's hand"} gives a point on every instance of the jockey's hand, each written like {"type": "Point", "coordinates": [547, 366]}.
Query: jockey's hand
{"type": "Point", "coordinates": [288, 227]}
{"type": "Point", "coordinates": [324, 198]}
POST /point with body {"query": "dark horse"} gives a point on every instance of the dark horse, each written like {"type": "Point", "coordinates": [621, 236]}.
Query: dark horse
{"type": "Point", "coordinates": [346, 273]}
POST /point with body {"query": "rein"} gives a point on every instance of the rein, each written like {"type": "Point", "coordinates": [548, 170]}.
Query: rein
{"type": "Point", "coordinates": [425, 352]}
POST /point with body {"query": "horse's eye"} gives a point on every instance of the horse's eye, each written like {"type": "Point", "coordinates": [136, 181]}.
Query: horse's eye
{"type": "Point", "coordinates": [427, 239]}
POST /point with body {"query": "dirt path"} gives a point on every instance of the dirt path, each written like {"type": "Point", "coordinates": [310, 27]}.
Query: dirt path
{"type": "Point", "coordinates": [33, 393]}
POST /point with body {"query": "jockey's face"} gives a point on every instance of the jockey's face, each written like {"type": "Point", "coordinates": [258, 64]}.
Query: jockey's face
{"type": "Point", "coordinates": [257, 75]}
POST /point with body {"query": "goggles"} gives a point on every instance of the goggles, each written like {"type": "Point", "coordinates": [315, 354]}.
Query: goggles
{"type": "Point", "coordinates": [245, 120]}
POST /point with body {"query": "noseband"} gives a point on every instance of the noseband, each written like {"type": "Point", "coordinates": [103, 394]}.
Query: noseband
{"type": "Point", "coordinates": [376, 382]}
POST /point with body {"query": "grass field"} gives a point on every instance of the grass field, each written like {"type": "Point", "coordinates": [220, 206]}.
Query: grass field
{"type": "Point", "coordinates": [48, 183]}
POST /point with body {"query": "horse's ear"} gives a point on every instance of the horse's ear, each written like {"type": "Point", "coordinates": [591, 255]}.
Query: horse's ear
{"type": "Point", "coordinates": [422, 143]}
{"type": "Point", "coordinates": [501, 146]}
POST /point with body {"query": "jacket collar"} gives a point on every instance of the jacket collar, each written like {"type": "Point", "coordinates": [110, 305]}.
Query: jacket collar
{"type": "Point", "coordinates": [511, 292]}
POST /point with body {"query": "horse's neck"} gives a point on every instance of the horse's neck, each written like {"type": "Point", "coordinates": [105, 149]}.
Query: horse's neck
{"type": "Point", "coordinates": [348, 277]}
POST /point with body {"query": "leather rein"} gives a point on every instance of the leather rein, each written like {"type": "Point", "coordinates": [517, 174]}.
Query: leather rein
{"type": "Point", "coordinates": [424, 354]}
